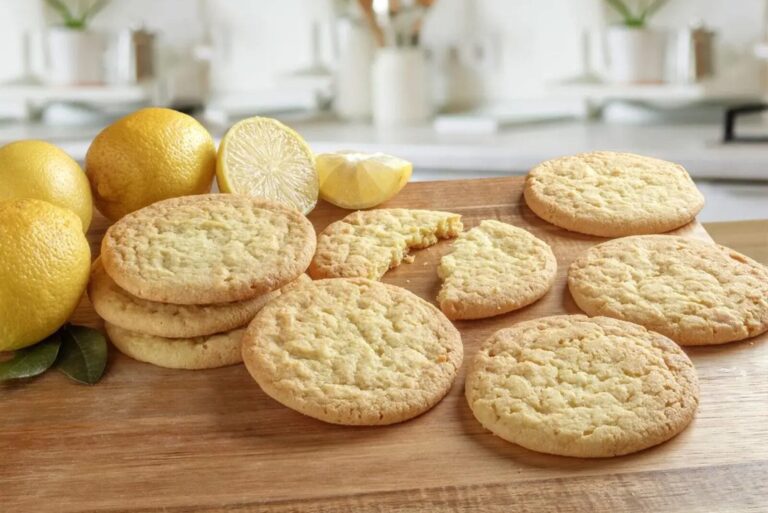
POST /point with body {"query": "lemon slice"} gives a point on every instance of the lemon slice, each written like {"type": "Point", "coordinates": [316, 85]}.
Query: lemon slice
{"type": "Point", "coordinates": [263, 157]}
{"type": "Point", "coordinates": [359, 180]}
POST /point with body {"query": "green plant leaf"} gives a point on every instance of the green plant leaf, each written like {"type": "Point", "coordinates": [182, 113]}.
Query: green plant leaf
{"type": "Point", "coordinates": [62, 9]}
{"type": "Point", "coordinates": [78, 18]}
{"type": "Point", "coordinates": [83, 354]}
{"type": "Point", "coordinates": [622, 8]}
{"type": "Point", "coordinates": [31, 361]}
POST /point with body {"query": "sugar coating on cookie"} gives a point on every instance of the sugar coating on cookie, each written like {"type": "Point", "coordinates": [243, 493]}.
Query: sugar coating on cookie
{"type": "Point", "coordinates": [367, 243]}
{"type": "Point", "coordinates": [195, 353]}
{"type": "Point", "coordinates": [211, 248]}
{"type": "Point", "coordinates": [694, 292]}
{"type": "Point", "coordinates": [125, 310]}
{"type": "Point", "coordinates": [492, 269]}
{"type": "Point", "coordinates": [353, 351]}
{"type": "Point", "coordinates": [586, 387]}
{"type": "Point", "coordinates": [612, 194]}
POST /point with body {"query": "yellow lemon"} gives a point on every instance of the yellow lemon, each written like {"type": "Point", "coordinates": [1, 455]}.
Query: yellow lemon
{"type": "Point", "coordinates": [263, 157]}
{"type": "Point", "coordinates": [40, 170]}
{"type": "Point", "coordinates": [46, 261]}
{"type": "Point", "coordinates": [147, 156]}
{"type": "Point", "coordinates": [359, 180]}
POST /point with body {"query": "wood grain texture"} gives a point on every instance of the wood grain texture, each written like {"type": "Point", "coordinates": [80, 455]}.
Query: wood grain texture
{"type": "Point", "coordinates": [149, 439]}
{"type": "Point", "coordinates": [748, 237]}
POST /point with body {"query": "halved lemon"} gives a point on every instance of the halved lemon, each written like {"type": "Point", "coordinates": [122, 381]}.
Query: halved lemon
{"type": "Point", "coordinates": [263, 157]}
{"type": "Point", "coordinates": [355, 180]}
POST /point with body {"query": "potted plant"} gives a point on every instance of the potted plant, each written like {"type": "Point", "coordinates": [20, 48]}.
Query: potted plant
{"type": "Point", "coordinates": [635, 52]}
{"type": "Point", "coordinates": [75, 53]}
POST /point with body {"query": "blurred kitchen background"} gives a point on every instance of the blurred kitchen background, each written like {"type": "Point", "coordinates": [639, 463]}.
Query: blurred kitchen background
{"type": "Point", "coordinates": [462, 88]}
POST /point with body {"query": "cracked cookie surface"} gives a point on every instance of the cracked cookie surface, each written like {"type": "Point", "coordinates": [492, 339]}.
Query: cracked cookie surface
{"type": "Point", "coordinates": [193, 353]}
{"type": "Point", "coordinates": [353, 351]}
{"type": "Point", "coordinates": [367, 243]}
{"type": "Point", "coordinates": [612, 194]}
{"type": "Point", "coordinates": [586, 387]}
{"type": "Point", "coordinates": [492, 269]}
{"type": "Point", "coordinates": [211, 248]}
{"type": "Point", "coordinates": [695, 292]}
{"type": "Point", "coordinates": [127, 311]}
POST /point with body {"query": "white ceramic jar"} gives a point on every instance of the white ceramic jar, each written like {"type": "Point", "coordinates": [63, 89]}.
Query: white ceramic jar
{"type": "Point", "coordinates": [635, 55]}
{"type": "Point", "coordinates": [74, 57]}
{"type": "Point", "coordinates": [401, 89]}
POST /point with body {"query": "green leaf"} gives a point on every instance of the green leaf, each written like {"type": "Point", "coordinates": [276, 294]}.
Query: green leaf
{"type": "Point", "coordinates": [62, 9]}
{"type": "Point", "coordinates": [31, 361]}
{"type": "Point", "coordinates": [83, 354]}
{"type": "Point", "coordinates": [621, 7]}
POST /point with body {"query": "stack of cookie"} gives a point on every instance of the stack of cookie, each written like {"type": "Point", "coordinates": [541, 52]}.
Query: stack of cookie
{"type": "Point", "coordinates": [178, 281]}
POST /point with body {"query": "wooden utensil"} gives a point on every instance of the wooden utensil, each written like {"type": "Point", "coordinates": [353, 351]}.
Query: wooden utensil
{"type": "Point", "coordinates": [370, 18]}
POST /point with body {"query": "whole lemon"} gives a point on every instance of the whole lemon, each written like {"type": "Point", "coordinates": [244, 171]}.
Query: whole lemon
{"type": "Point", "coordinates": [45, 266]}
{"type": "Point", "coordinates": [40, 170]}
{"type": "Point", "coordinates": [147, 156]}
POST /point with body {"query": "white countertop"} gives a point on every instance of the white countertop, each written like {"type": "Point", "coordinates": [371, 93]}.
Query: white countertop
{"type": "Point", "coordinates": [517, 149]}
{"type": "Point", "coordinates": [511, 151]}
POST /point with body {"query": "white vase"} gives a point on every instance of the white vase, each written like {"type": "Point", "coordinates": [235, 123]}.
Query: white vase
{"type": "Point", "coordinates": [635, 55]}
{"type": "Point", "coordinates": [74, 57]}
{"type": "Point", "coordinates": [401, 88]}
{"type": "Point", "coordinates": [353, 72]}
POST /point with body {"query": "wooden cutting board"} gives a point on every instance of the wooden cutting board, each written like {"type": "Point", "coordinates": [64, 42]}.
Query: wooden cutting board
{"type": "Point", "coordinates": [147, 438]}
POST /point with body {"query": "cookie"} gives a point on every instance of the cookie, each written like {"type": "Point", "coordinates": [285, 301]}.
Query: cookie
{"type": "Point", "coordinates": [492, 269]}
{"type": "Point", "coordinates": [694, 292]}
{"type": "Point", "coordinates": [366, 244]}
{"type": "Point", "coordinates": [211, 248]}
{"type": "Point", "coordinates": [612, 194]}
{"type": "Point", "coordinates": [353, 351]}
{"type": "Point", "coordinates": [125, 310]}
{"type": "Point", "coordinates": [195, 353]}
{"type": "Point", "coordinates": [577, 386]}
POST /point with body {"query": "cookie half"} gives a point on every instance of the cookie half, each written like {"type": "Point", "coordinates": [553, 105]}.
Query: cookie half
{"type": "Point", "coordinates": [367, 243]}
{"type": "Point", "coordinates": [125, 310]}
{"type": "Point", "coordinates": [353, 351]}
{"type": "Point", "coordinates": [493, 269]}
{"type": "Point", "coordinates": [195, 353]}
{"type": "Point", "coordinates": [211, 248]}
{"type": "Point", "coordinates": [694, 292]}
{"type": "Point", "coordinates": [612, 194]}
{"type": "Point", "coordinates": [577, 386]}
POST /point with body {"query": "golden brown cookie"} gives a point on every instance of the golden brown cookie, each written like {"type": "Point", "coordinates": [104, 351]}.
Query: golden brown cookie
{"type": "Point", "coordinates": [127, 311]}
{"type": "Point", "coordinates": [692, 291]}
{"type": "Point", "coordinates": [493, 269]}
{"type": "Point", "coordinates": [367, 243]}
{"type": "Point", "coordinates": [212, 248]}
{"type": "Point", "coordinates": [195, 353]}
{"type": "Point", "coordinates": [578, 386]}
{"type": "Point", "coordinates": [612, 194]}
{"type": "Point", "coordinates": [353, 351]}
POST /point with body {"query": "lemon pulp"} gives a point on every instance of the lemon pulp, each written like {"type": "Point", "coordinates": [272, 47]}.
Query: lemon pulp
{"type": "Point", "coordinates": [263, 157]}
{"type": "Point", "coordinates": [356, 180]}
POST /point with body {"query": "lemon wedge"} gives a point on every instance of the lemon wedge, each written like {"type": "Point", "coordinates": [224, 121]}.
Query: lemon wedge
{"type": "Point", "coordinates": [263, 157]}
{"type": "Point", "coordinates": [355, 180]}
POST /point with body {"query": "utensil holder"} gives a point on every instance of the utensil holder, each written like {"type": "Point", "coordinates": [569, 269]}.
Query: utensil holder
{"type": "Point", "coordinates": [353, 72]}
{"type": "Point", "coordinates": [400, 87]}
